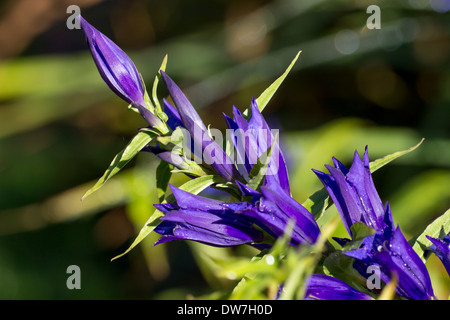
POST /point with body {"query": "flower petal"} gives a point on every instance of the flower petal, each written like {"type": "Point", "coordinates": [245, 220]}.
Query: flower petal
{"type": "Point", "coordinates": [324, 287]}
{"type": "Point", "coordinates": [115, 67]}
{"type": "Point", "coordinates": [213, 154]}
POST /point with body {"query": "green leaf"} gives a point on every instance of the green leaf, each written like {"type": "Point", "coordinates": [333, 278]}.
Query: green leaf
{"type": "Point", "coordinates": [265, 97]}
{"type": "Point", "coordinates": [122, 158]}
{"type": "Point", "coordinates": [319, 202]}
{"type": "Point", "coordinates": [359, 231]}
{"type": "Point", "coordinates": [194, 186]}
{"type": "Point", "coordinates": [437, 229]}
{"type": "Point", "coordinates": [377, 164]}
{"type": "Point", "coordinates": [267, 94]}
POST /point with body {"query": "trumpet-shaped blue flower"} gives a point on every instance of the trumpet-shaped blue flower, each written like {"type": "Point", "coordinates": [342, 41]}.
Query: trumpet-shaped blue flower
{"type": "Point", "coordinates": [392, 254]}
{"type": "Point", "coordinates": [441, 248]}
{"type": "Point", "coordinates": [357, 200]}
{"type": "Point", "coordinates": [204, 220]}
{"type": "Point", "coordinates": [354, 193]}
{"type": "Point", "coordinates": [251, 140]}
{"type": "Point", "coordinates": [271, 208]}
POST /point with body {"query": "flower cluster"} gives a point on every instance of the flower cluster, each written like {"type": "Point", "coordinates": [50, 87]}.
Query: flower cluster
{"type": "Point", "coordinates": [357, 201]}
{"type": "Point", "coordinates": [252, 169]}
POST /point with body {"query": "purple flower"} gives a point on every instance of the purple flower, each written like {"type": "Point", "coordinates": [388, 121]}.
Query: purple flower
{"type": "Point", "coordinates": [391, 253]}
{"type": "Point", "coordinates": [118, 71]}
{"type": "Point", "coordinates": [213, 154]}
{"type": "Point", "coordinates": [272, 209]}
{"type": "Point", "coordinates": [204, 220]}
{"type": "Point", "coordinates": [252, 139]}
{"type": "Point", "coordinates": [441, 248]}
{"type": "Point", "coordinates": [357, 200]}
{"type": "Point", "coordinates": [354, 193]}
{"type": "Point", "coordinates": [323, 287]}
{"type": "Point", "coordinates": [174, 119]}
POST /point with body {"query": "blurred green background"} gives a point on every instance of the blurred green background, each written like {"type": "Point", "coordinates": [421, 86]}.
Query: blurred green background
{"type": "Point", "coordinates": [60, 126]}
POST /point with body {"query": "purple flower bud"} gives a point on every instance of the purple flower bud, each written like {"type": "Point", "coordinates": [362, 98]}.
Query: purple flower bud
{"type": "Point", "coordinates": [115, 67]}
{"type": "Point", "coordinates": [118, 71]}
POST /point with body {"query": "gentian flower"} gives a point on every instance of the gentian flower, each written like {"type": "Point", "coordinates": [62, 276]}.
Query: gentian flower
{"type": "Point", "coordinates": [118, 71]}
{"type": "Point", "coordinates": [441, 248]}
{"type": "Point", "coordinates": [204, 220]}
{"type": "Point", "coordinates": [353, 192]}
{"type": "Point", "coordinates": [252, 139]}
{"type": "Point", "coordinates": [271, 208]}
{"type": "Point", "coordinates": [213, 154]}
{"type": "Point", "coordinates": [324, 287]}
{"type": "Point", "coordinates": [357, 200]}
{"type": "Point", "coordinates": [391, 253]}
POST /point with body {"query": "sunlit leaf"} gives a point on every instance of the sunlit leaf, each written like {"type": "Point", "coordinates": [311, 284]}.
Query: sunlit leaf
{"type": "Point", "coordinates": [377, 164]}
{"type": "Point", "coordinates": [122, 158]}
{"type": "Point", "coordinates": [437, 229]}
{"type": "Point", "coordinates": [267, 94]}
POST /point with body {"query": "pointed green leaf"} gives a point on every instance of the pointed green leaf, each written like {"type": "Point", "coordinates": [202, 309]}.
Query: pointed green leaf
{"type": "Point", "coordinates": [377, 164]}
{"type": "Point", "coordinates": [122, 158]}
{"type": "Point", "coordinates": [267, 94]}
{"type": "Point", "coordinates": [437, 229]}
{"type": "Point", "coordinates": [265, 97]}
{"type": "Point", "coordinates": [194, 186]}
